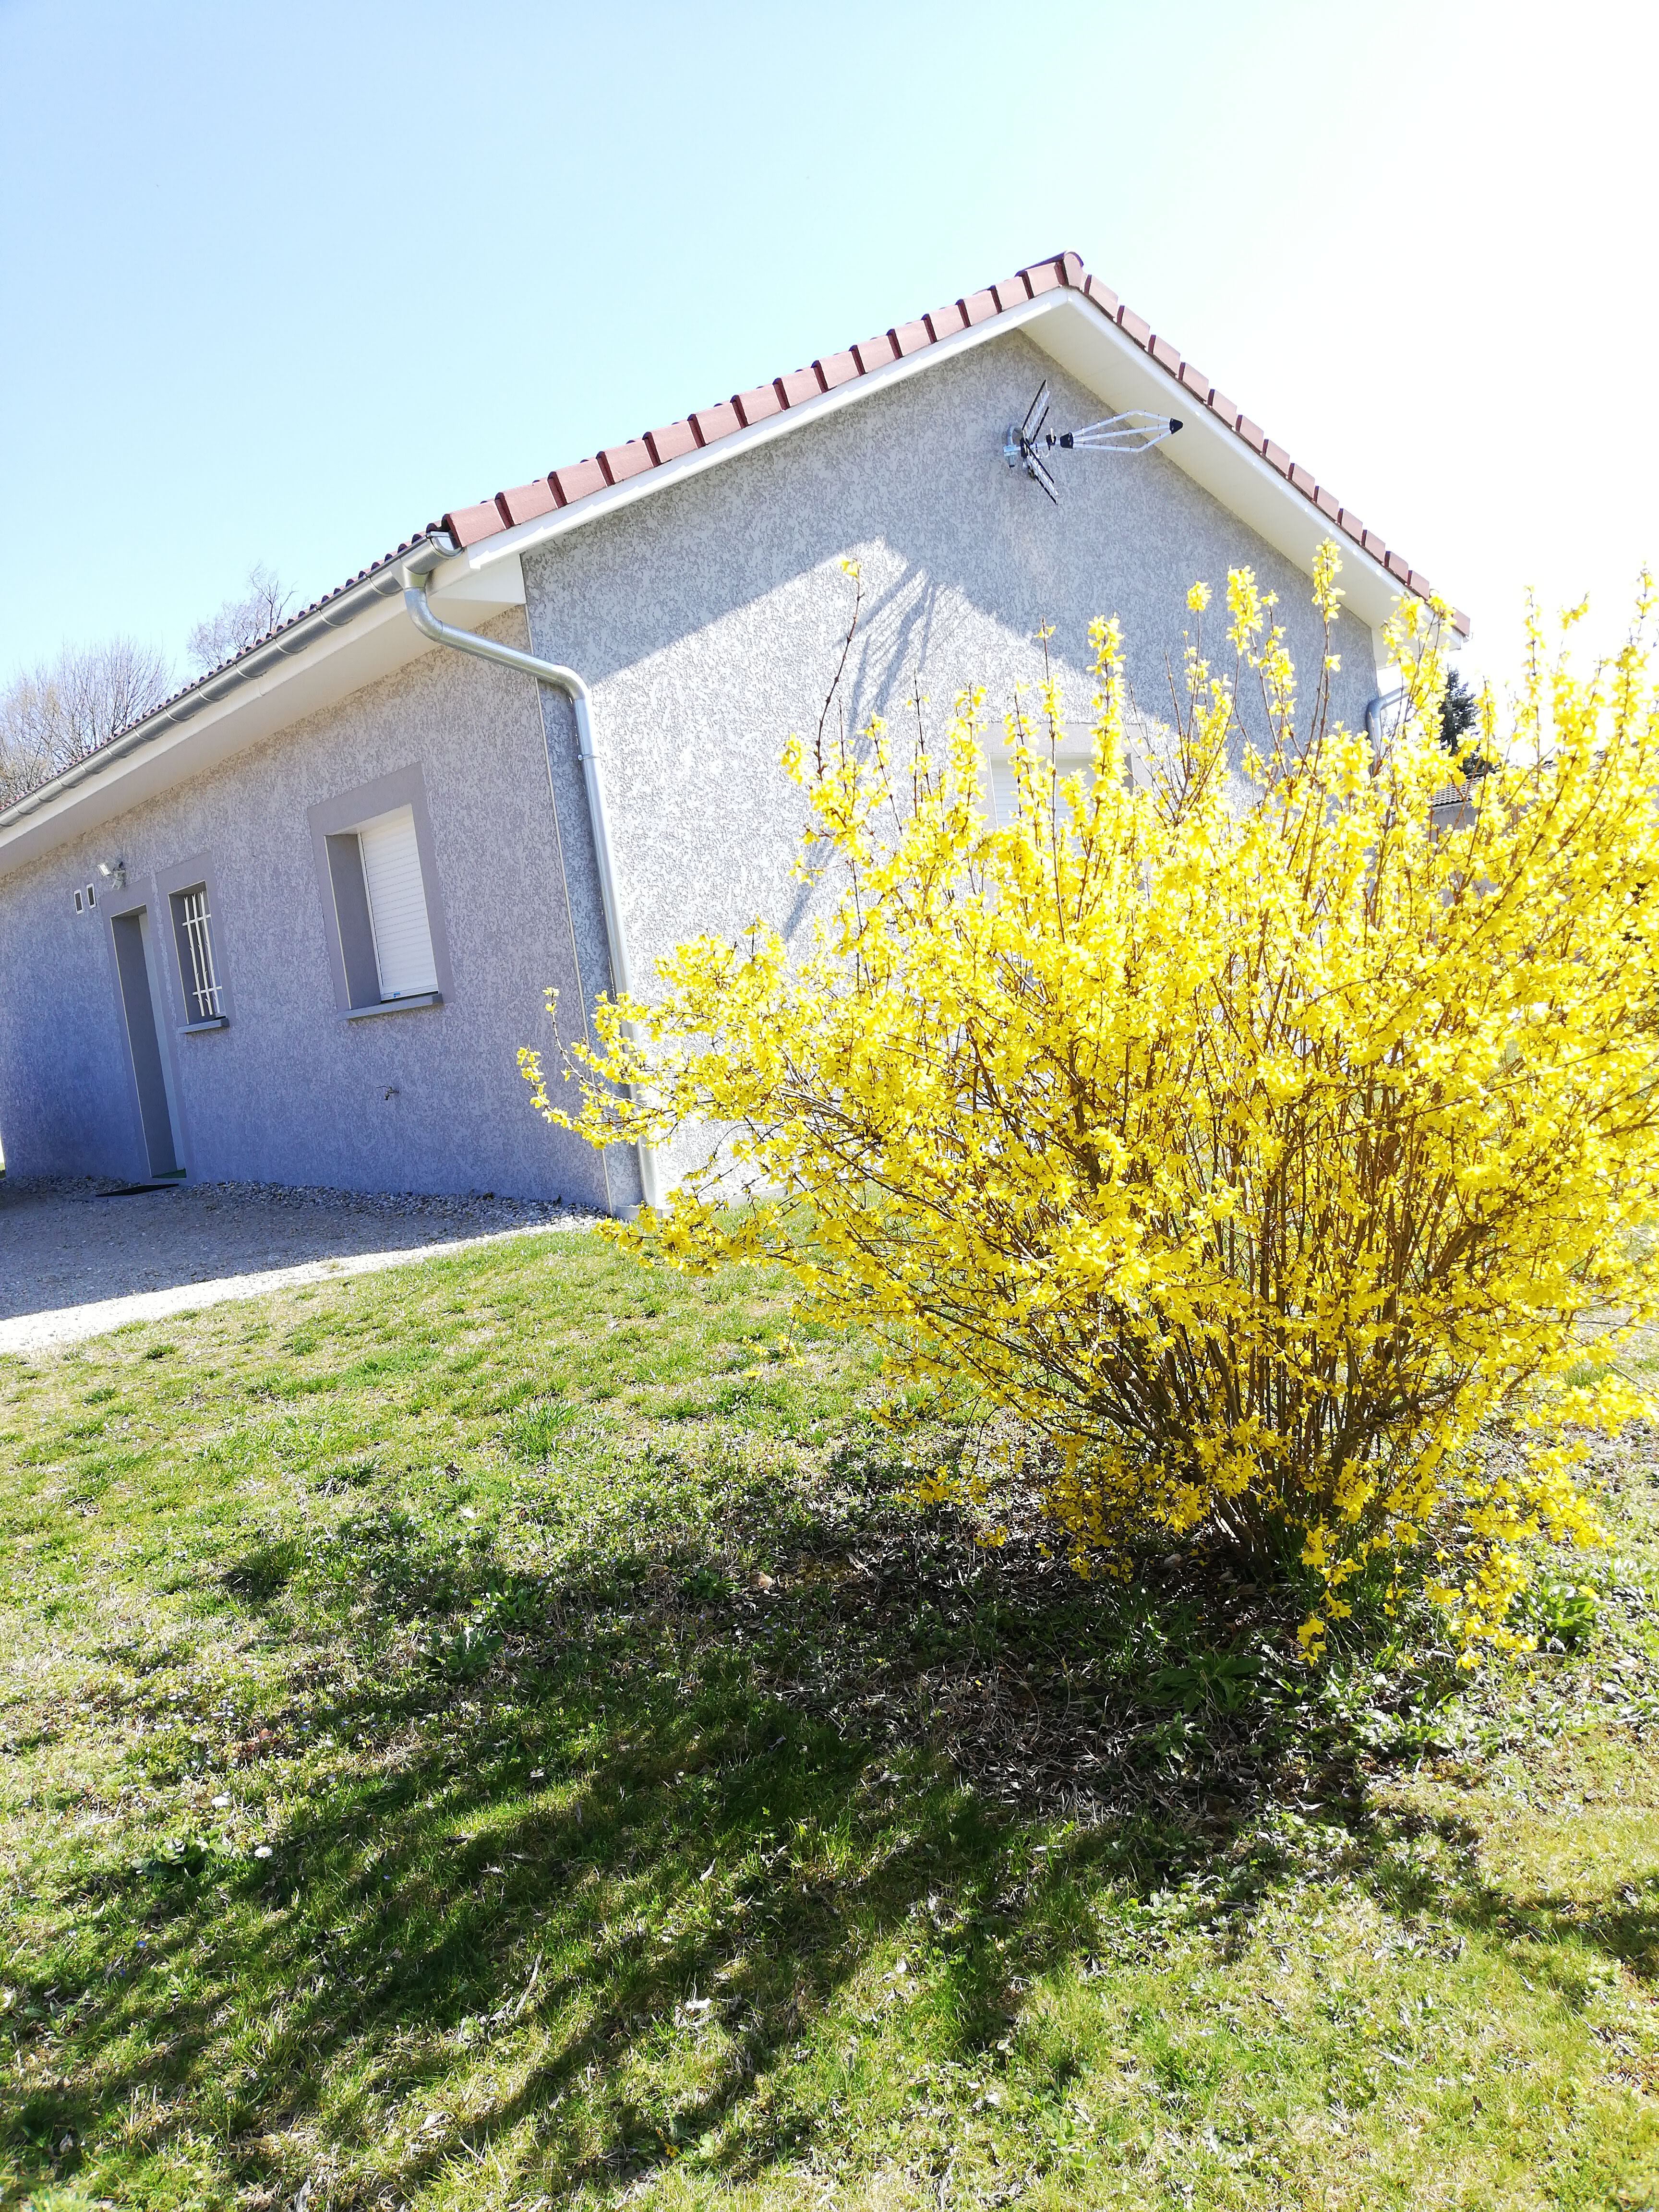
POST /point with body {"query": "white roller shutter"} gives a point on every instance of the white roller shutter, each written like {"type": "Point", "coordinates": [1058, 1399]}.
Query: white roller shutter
{"type": "Point", "coordinates": [1073, 756]}
{"type": "Point", "coordinates": [397, 904]}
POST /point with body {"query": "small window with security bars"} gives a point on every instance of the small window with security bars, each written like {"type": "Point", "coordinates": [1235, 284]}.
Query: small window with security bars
{"type": "Point", "coordinates": [192, 928]}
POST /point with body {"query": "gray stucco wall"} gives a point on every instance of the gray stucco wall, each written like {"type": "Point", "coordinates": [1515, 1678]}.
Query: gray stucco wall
{"type": "Point", "coordinates": [423, 1099]}
{"type": "Point", "coordinates": [708, 619]}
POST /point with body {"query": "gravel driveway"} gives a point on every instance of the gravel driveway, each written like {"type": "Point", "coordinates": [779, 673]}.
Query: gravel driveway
{"type": "Point", "coordinates": [76, 1261]}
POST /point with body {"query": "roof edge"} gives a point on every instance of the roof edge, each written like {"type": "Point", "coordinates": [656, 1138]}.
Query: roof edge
{"type": "Point", "coordinates": [664, 453]}
{"type": "Point", "coordinates": [614, 466]}
{"type": "Point", "coordinates": [381, 580]}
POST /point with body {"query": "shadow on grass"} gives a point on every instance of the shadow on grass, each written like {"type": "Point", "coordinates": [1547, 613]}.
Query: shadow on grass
{"type": "Point", "coordinates": [610, 1840]}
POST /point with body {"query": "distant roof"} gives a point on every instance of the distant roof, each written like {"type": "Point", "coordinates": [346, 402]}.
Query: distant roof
{"type": "Point", "coordinates": [615, 465]}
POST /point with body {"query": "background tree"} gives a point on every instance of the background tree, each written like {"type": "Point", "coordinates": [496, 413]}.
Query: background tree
{"type": "Point", "coordinates": [55, 714]}
{"type": "Point", "coordinates": [240, 622]}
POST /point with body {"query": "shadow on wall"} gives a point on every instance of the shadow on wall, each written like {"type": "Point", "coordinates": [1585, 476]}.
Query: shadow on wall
{"type": "Point", "coordinates": [711, 617]}
{"type": "Point", "coordinates": [918, 472]}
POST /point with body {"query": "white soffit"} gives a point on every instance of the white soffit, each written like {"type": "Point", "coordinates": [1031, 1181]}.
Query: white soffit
{"type": "Point", "coordinates": [376, 642]}
{"type": "Point", "coordinates": [1080, 340]}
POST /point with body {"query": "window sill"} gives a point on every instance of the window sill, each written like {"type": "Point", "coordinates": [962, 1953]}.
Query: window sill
{"type": "Point", "coordinates": [393, 1005]}
{"type": "Point", "coordinates": [195, 1029]}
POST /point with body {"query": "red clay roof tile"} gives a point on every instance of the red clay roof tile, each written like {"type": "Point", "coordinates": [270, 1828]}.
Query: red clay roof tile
{"type": "Point", "coordinates": [1196, 382]}
{"type": "Point", "coordinates": [908, 339]}
{"type": "Point", "coordinates": [875, 353]}
{"type": "Point", "coordinates": [621, 462]}
{"type": "Point", "coordinates": [836, 369]}
{"type": "Point", "coordinates": [755, 406]}
{"type": "Point", "coordinates": [717, 421]}
{"type": "Point", "coordinates": [527, 502]}
{"type": "Point", "coordinates": [1102, 295]}
{"type": "Point", "coordinates": [1134, 327]}
{"type": "Point", "coordinates": [468, 525]}
{"type": "Point", "coordinates": [1165, 356]}
{"type": "Point", "coordinates": [578, 481]}
{"type": "Point", "coordinates": [945, 322]}
{"type": "Point", "coordinates": [979, 308]}
{"type": "Point", "coordinates": [671, 441]}
{"type": "Point", "coordinates": [799, 385]}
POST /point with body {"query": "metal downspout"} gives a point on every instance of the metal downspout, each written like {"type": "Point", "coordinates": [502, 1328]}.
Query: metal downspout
{"type": "Point", "coordinates": [567, 680]}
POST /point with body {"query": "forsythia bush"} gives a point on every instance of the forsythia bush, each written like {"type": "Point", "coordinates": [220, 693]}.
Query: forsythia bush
{"type": "Point", "coordinates": [1255, 1128]}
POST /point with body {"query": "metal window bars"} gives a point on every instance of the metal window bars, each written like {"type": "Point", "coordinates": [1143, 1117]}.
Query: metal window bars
{"type": "Point", "coordinates": [203, 982]}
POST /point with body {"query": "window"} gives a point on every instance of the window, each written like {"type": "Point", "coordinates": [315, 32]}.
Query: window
{"type": "Point", "coordinates": [376, 872]}
{"type": "Point", "coordinates": [397, 904]}
{"type": "Point", "coordinates": [1073, 754]}
{"type": "Point", "coordinates": [187, 896]}
{"type": "Point", "coordinates": [379, 881]}
{"type": "Point", "coordinates": [192, 928]}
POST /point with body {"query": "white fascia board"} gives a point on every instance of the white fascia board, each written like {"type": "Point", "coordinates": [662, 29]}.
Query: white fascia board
{"type": "Point", "coordinates": [1077, 335]}
{"type": "Point", "coordinates": [374, 643]}
{"type": "Point", "coordinates": [1093, 350]}
{"type": "Point", "coordinates": [525, 536]}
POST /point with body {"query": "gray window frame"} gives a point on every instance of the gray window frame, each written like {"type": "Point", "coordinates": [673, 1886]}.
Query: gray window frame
{"type": "Point", "coordinates": [333, 824]}
{"type": "Point", "coordinates": [171, 885]}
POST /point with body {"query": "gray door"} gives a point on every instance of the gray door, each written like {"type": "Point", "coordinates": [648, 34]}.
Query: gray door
{"type": "Point", "coordinates": [151, 1072]}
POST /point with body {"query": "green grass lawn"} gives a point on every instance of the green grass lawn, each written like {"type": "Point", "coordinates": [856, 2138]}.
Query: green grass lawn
{"type": "Point", "coordinates": [498, 1733]}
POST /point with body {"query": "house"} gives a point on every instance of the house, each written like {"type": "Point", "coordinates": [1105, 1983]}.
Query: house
{"type": "Point", "coordinates": [294, 925]}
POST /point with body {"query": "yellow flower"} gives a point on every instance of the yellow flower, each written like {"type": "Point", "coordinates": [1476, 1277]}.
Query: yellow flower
{"type": "Point", "coordinates": [1250, 1135]}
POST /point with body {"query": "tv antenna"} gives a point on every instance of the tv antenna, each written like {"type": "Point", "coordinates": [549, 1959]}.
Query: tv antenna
{"type": "Point", "coordinates": [1028, 443]}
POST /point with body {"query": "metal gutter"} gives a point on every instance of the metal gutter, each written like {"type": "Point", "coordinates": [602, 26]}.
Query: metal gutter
{"type": "Point", "coordinates": [565, 681]}
{"type": "Point", "coordinates": [382, 583]}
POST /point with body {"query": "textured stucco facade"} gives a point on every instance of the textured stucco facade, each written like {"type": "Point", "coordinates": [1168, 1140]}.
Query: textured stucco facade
{"type": "Point", "coordinates": [425, 1098]}
{"type": "Point", "coordinates": [706, 619]}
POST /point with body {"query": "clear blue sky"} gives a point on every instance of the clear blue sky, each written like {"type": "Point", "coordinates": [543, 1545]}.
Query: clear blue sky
{"type": "Point", "coordinates": [284, 283]}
